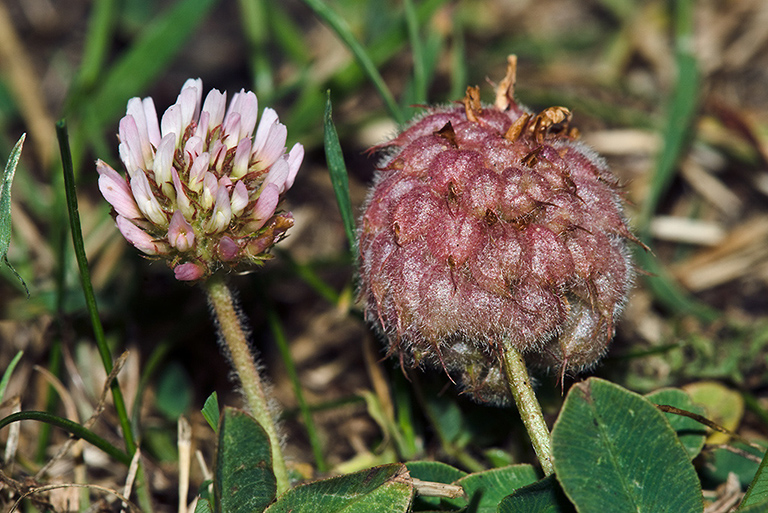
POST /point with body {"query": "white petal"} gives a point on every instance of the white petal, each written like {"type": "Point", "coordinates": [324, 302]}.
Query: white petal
{"type": "Point", "coordinates": [171, 123]}
{"type": "Point", "coordinates": [239, 198]}
{"type": "Point", "coordinates": [146, 201]}
{"type": "Point", "coordinates": [268, 118]}
{"type": "Point", "coordinates": [295, 157]}
{"type": "Point", "coordinates": [242, 158]}
{"type": "Point", "coordinates": [150, 114]}
{"type": "Point", "coordinates": [215, 104]}
{"type": "Point", "coordinates": [274, 146]}
{"type": "Point", "coordinates": [129, 136]}
{"type": "Point", "coordinates": [277, 175]}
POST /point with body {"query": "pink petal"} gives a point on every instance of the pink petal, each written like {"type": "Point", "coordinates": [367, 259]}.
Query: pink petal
{"type": "Point", "coordinates": [202, 125]}
{"type": "Point", "coordinates": [210, 188]}
{"type": "Point", "coordinates": [192, 149]}
{"type": "Point", "coordinates": [189, 102]}
{"type": "Point", "coordinates": [182, 200]}
{"type": "Point", "coordinates": [164, 159]}
{"type": "Point", "coordinates": [180, 233]}
{"type": "Point", "coordinates": [295, 157]}
{"type": "Point", "coordinates": [140, 239]}
{"type": "Point", "coordinates": [222, 212]}
{"type": "Point", "coordinates": [242, 158]}
{"type": "Point", "coordinates": [188, 272]}
{"type": "Point", "coordinates": [129, 136]}
{"type": "Point", "coordinates": [239, 198]}
{"type": "Point", "coordinates": [153, 128]}
{"type": "Point", "coordinates": [215, 103]}
{"type": "Point", "coordinates": [245, 104]}
{"type": "Point", "coordinates": [268, 119]}
{"type": "Point", "coordinates": [171, 123]}
{"type": "Point", "coordinates": [228, 249]}
{"type": "Point", "coordinates": [148, 204]}
{"type": "Point", "coordinates": [197, 172]}
{"type": "Point", "coordinates": [265, 205]}
{"type": "Point", "coordinates": [278, 174]}
{"type": "Point", "coordinates": [125, 157]}
{"type": "Point", "coordinates": [135, 109]}
{"type": "Point", "coordinates": [218, 154]}
{"type": "Point", "coordinates": [231, 128]}
{"type": "Point", "coordinates": [116, 191]}
{"type": "Point", "coordinates": [274, 146]}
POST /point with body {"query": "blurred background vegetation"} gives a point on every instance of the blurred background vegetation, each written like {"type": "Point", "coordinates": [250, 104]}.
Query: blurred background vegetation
{"type": "Point", "coordinates": [673, 94]}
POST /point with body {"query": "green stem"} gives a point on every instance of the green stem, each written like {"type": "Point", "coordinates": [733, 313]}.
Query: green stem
{"type": "Point", "coordinates": [528, 405]}
{"type": "Point", "coordinates": [85, 281]}
{"type": "Point", "coordinates": [234, 339]}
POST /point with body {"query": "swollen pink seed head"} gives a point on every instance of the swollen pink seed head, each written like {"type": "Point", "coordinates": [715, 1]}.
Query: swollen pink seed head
{"type": "Point", "coordinates": [490, 223]}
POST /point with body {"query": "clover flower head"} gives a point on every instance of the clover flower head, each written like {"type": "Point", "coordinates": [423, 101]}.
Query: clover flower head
{"type": "Point", "coordinates": [203, 183]}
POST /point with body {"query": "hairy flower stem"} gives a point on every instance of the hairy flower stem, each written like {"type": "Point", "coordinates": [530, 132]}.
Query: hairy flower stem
{"type": "Point", "coordinates": [528, 405]}
{"type": "Point", "coordinates": [233, 336]}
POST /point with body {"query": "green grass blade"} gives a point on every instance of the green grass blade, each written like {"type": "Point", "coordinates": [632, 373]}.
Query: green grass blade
{"type": "Point", "coordinates": [338, 170]}
{"type": "Point", "coordinates": [97, 43]}
{"type": "Point", "coordinates": [148, 56]}
{"type": "Point", "coordinates": [306, 414]}
{"type": "Point", "coordinates": [310, 277]}
{"type": "Point", "coordinates": [74, 428]}
{"type": "Point", "coordinates": [459, 73]}
{"type": "Point", "coordinates": [257, 29]}
{"type": "Point", "coordinates": [341, 28]}
{"type": "Point", "coordinates": [85, 279]}
{"type": "Point", "coordinates": [8, 372]}
{"type": "Point", "coordinates": [419, 65]}
{"type": "Point", "coordinates": [683, 109]}
{"type": "Point", "coordinates": [5, 206]}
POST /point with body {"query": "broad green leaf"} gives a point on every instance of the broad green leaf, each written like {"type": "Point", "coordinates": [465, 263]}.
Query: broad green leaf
{"type": "Point", "coordinates": [690, 432]}
{"type": "Point", "coordinates": [486, 489]}
{"type": "Point", "coordinates": [205, 496]}
{"type": "Point", "coordinates": [7, 374]}
{"type": "Point", "coordinates": [174, 391]}
{"type": "Point", "coordinates": [5, 205]}
{"type": "Point", "coordinates": [757, 493]}
{"type": "Point", "coordinates": [211, 411]}
{"type": "Point", "coordinates": [385, 489]}
{"type": "Point", "coordinates": [244, 481]}
{"type": "Point", "coordinates": [338, 170]}
{"type": "Point", "coordinates": [615, 451]}
{"type": "Point", "coordinates": [723, 406]}
{"type": "Point", "coordinates": [203, 506]}
{"type": "Point", "coordinates": [721, 462]}
{"type": "Point", "coordinates": [447, 419]}
{"type": "Point", "coordinates": [435, 472]}
{"type": "Point", "coordinates": [760, 507]}
{"type": "Point", "coordinates": [543, 496]}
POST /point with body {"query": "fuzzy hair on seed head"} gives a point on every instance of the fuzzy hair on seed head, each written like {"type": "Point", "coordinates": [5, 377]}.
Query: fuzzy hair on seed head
{"type": "Point", "coordinates": [488, 223]}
